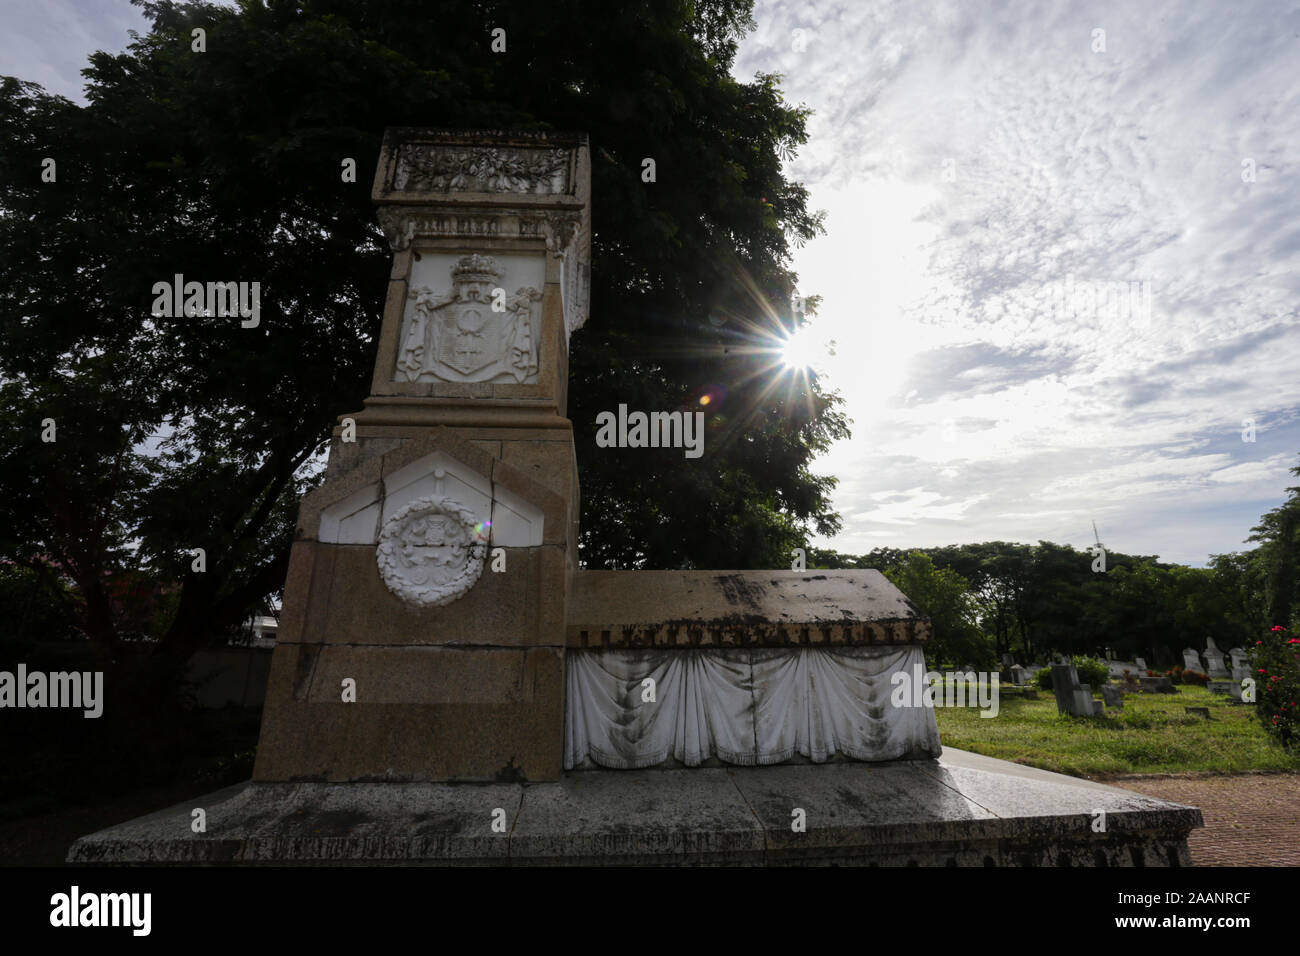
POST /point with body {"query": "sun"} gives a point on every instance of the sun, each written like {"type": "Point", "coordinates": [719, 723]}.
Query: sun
{"type": "Point", "coordinates": [801, 349]}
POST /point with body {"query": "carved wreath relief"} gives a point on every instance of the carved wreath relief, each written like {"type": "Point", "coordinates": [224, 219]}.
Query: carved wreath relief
{"type": "Point", "coordinates": [482, 169]}
{"type": "Point", "coordinates": [430, 552]}
{"type": "Point", "coordinates": [473, 333]}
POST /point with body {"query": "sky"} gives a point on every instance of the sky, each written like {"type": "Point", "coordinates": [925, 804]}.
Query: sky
{"type": "Point", "coordinates": [1059, 265]}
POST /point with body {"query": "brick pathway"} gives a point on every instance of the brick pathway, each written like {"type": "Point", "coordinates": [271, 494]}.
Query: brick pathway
{"type": "Point", "coordinates": [1251, 819]}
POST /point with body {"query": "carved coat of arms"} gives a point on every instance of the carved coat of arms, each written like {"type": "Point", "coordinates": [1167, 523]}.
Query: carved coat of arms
{"type": "Point", "coordinates": [473, 333]}
{"type": "Point", "coordinates": [431, 552]}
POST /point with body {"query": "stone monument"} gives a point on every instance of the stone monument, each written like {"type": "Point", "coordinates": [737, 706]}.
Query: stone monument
{"type": "Point", "coordinates": [434, 566]}
{"type": "Point", "coordinates": [1072, 697]}
{"type": "Point", "coordinates": [1240, 663]}
{"type": "Point", "coordinates": [1214, 660]}
{"type": "Point", "coordinates": [437, 629]}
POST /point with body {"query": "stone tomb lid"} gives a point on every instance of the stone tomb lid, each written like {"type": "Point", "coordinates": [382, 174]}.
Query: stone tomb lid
{"type": "Point", "coordinates": [704, 608]}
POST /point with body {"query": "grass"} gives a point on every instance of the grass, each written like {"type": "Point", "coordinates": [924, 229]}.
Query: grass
{"type": "Point", "coordinates": [1151, 734]}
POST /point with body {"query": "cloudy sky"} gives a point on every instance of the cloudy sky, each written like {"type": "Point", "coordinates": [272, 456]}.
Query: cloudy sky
{"type": "Point", "coordinates": [1059, 266]}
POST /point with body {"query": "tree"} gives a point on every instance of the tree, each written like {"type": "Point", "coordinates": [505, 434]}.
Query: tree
{"type": "Point", "coordinates": [1278, 558]}
{"type": "Point", "coordinates": [998, 573]}
{"type": "Point", "coordinates": [200, 433]}
{"type": "Point", "coordinates": [944, 598]}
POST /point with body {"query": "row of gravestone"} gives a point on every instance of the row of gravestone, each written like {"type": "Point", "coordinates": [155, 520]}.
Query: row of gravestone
{"type": "Point", "coordinates": [1075, 698]}
{"type": "Point", "coordinates": [1214, 662]}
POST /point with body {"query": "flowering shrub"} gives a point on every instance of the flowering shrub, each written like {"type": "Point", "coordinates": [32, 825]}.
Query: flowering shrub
{"type": "Point", "coordinates": [1195, 677]}
{"type": "Point", "coordinates": [1276, 664]}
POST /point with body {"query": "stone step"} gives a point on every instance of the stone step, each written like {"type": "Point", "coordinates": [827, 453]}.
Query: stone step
{"type": "Point", "coordinates": [959, 810]}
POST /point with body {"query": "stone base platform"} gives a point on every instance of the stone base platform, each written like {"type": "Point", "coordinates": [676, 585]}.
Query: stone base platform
{"type": "Point", "coordinates": [958, 810]}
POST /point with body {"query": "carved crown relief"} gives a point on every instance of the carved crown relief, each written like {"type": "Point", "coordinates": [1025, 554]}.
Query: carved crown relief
{"type": "Point", "coordinates": [430, 552]}
{"type": "Point", "coordinates": [483, 169]}
{"type": "Point", "coordinates": [472, 332]}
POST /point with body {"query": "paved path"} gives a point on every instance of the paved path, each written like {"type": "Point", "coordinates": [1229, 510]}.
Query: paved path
{"type": "Point", "coordinates": [1250, 819]}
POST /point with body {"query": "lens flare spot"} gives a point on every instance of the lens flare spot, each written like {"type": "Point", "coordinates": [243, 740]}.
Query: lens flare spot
{"type": "Point", "coordinates": [709, 396]}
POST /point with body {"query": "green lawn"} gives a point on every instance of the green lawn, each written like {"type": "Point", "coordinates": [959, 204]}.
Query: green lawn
{"type": "Point", "coordinates": [1151, 735]}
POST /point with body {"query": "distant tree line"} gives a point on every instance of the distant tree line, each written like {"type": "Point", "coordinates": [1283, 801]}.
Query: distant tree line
{"type": "Point", "coordinates": [995, 597]}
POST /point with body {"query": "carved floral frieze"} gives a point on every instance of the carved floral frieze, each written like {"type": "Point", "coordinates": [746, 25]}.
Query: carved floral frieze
{"type": "Point", "coordinates": [483, 169]}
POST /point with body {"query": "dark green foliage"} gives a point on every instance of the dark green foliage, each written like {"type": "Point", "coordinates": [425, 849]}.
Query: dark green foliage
{"type": "Point", "coordinates": [186, 433]}
{"type": "Point", "coordinates": [1090, 671]}
{"type": "Point", "coordinates": [943, 596]}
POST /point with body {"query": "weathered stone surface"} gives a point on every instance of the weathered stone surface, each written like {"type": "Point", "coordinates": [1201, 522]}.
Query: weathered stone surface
{"type": "Point", "coordinates": [1214, 660]}
{"type": "Point", "coordinates": [1072, 697]}
{"type": "Point", "coordinates": [960, 810]}
{"type": "Point", "coordinates": [672, 817]}
{"type": "Point", "coordinates": [1240, 664]}
{"type": "Point", "coordinates": [421, 713]}
{"type": "Point", "coordinates": [717, 608]}
{"type": "Point", "coordinates": [1113, 696]}
{"type": "Point", "coordinates": [339, 597]}
{"type": "Point", "coordinates": [324, 824]}
{"type": "Point", "coordinates": [1157, 685]}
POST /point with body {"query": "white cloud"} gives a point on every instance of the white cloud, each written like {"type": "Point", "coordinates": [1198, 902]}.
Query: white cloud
{"type": "Point", "coordinates": [993, 185]}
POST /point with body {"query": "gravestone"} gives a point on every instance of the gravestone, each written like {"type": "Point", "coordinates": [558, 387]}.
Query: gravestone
{"type": "Point", "coordinates": [1221, 686]}
{"type": "Point", "coordinates": [1072, 697]}
{"type": "Point", "coordinates": [1157, 685]}
{"type": "Point", "coordinates": [1113, 696]}
{"type": "Point", "coordinates": [437, 630]}
{"type": "Point", "coordinates": [1142, 665]}
{"type": "Point", "coordinates": [1017, 675]}
{"type": "Point", "coordinates": [1240, 664]}
{"type": "Point", "coordinates": [1214, 660]}
{"type": "Point", "coordinates": [1117, 668]}
{"type": "Point", "coordinates": [1237, 690]}
{"type": "Point", "coordinates": [1192, 661]}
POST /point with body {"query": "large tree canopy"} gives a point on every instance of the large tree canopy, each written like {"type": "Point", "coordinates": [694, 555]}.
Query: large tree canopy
{"type": "Point", "coordinates": [188, 433]}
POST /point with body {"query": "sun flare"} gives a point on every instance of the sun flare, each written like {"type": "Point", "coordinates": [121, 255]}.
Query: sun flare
{"type": "Point", "coordinates": [801, 349]}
